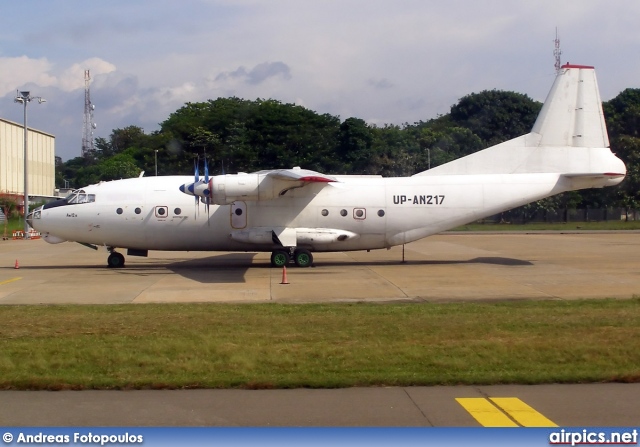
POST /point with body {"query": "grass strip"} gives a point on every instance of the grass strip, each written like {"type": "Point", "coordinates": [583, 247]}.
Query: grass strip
{"type": "Point", "coordinates": [159, 346]}
{"type": "Point", "coordinates": [613, 225]}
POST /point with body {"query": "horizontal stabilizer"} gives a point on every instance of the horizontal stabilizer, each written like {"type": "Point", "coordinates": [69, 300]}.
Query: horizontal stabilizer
{"type": "Point", "coordinates": [603, 175]}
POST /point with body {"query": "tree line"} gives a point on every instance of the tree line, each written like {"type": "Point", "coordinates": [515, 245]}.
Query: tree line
{"type": "Point", "coordinates": [238, 135]}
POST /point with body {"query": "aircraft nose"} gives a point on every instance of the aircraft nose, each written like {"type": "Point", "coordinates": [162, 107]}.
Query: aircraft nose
{"type": "Point", "coordinates": [34, 215]}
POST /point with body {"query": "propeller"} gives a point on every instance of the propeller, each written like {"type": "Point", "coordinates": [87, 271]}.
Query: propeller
{"type": "Point", "coordinates": [199, 188]}
{"type": "Point", "coordinates": [207, 192]}
{"type": "Point", "coordinates": [196, 180]}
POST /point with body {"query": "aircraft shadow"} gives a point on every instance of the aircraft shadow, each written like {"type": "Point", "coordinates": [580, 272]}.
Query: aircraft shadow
{"type": "Point", "coordinates": [490, 260]}
{"type": "Point", "coordinates": [227, 268]}
{"type": "Point", "coordinates": [232, 267]}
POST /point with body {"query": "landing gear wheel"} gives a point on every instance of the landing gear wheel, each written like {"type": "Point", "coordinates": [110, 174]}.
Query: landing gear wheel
{"type": "Point", "coordinates": [303, 258]}
{"type": "Point", "coordinates": [115, 260]}
{"type": "Point", "coordinates": [279, 258]}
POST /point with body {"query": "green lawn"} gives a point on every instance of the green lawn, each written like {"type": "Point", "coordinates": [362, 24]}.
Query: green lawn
{"type": "Point", "coordinates": [333, 345]}
{"type": "Point", "coordinates": [613, 225]}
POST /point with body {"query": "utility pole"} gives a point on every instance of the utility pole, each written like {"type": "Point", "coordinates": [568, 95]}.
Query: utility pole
{"type": "Point", "coordinates": [25, 98]}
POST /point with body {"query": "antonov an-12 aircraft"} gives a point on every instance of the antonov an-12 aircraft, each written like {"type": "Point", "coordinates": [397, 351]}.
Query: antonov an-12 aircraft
{"type": "Point", "coordinates": [293, 213]}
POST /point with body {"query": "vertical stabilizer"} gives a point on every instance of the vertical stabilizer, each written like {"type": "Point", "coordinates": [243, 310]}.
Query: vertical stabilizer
{"type": "Point", "coordinates": [572, 113]}
{"type": "Point", "coordinates": [568, 138]}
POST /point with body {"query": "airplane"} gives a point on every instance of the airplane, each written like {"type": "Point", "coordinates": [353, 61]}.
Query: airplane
{"type": "Point", "coordinates": [295, 212]}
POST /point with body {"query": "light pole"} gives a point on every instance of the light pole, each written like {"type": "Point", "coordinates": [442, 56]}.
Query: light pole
{"type": "Point", "coordinates": [156, 162]}
{"type": "Point", "coordinates": [24, 98]}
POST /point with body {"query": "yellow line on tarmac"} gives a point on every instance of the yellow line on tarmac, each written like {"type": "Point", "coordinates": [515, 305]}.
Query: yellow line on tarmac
{"type": "Point", "coordinates": [522, 412]}
{"type": "Point", "coordinates": [10, 280]}
{"type": "Point", "coordinates": [487, 414]}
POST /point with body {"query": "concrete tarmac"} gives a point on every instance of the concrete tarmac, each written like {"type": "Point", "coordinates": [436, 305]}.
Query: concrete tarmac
{"type": "Point", "coordinates": [449, 267]}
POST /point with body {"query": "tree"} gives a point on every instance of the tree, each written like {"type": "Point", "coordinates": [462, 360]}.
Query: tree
{"type": "Point", "coordinates": [355, 140]}
{"type": "Point", "coordinates": [622, 115]}
{"type": "Point", "coordinates": [496, 116]}
{"type": "Point", "coordinates": [118, 167]}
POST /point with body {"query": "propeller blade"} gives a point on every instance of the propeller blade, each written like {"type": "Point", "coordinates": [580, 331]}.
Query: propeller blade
{"type": "Point", "coordinates": [196, 179]}
{"type": "Point", "coordinates": [207, 200]}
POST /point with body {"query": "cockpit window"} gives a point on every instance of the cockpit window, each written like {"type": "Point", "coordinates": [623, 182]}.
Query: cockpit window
{"type": "Point", "coordinates": [80, 196]}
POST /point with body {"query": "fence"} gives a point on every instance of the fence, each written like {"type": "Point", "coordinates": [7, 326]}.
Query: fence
{"type": "Point", "coordinates": [521, 216]}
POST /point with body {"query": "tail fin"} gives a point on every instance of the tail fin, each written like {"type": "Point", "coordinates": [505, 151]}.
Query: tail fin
{"type": "Point", "coordinates": [572, 113]}
{"type": "Point", "coordinates": [569, 137]}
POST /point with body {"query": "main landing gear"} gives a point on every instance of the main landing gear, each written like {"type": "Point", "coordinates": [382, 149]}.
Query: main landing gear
{"type": "Point", "coordinates": [301, 257]}
{"type": "Point", "coordinates": [115, 259]}
{"type": "Point", "coordinates": [279, 258]}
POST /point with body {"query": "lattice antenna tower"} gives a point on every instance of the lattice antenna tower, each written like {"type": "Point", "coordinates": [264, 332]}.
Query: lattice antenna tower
{"type": "Point", "coordinates": [88, 124]}
{"type": "Point", "coordinates": [557, 52]}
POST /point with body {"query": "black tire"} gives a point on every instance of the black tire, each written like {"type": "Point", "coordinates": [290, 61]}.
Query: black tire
{"type": "Point", "coordinates": [303, 258]}
{"type": "Point", "coordinates": [279, 258]}
{"type": "Point", "coordinates": [115, 260]}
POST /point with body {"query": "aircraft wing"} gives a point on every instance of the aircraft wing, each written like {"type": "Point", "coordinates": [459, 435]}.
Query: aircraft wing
{"type": "Point", "coordinates": [262, 185]}
{"type": "Point", "coordinates": [299, 175]}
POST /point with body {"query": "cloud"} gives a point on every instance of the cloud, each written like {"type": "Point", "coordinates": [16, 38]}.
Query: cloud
{"type": "Point", "coordinates": [73, 77]}
{"type": "Point", "coordinates": [383, 62]}
{"type": "Point", "coordinates": [17, 71]}
{"type": "Point", "coordinates": [258, 74]}
{"type": "Point", "coordinates": [380, 84]}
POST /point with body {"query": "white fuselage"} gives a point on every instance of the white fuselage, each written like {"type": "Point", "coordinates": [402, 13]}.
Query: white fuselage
{"type": "Point", "coordinates": [152, 214]}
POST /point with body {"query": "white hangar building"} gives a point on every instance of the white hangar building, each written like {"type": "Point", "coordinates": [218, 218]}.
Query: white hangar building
{"type": "Point", "coordinates": [41, 161]}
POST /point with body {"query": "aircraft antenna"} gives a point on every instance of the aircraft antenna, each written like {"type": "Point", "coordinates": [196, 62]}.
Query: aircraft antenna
{"type": "Point", "coordinates": [88, 124]}
{"type": "Point", "coordinates": [557, 52]}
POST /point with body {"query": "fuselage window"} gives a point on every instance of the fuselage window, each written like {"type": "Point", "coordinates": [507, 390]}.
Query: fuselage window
{"type": "Point", "coordinates": [161, 211]}
{"type": "Point", "coordinates": [138, 210]}
{"type": "Point", "coordinates": [238, 212]}
{"type": "Point", "coordinates": [381, 213]}
{"type": "Point", "coordinates": [177, 211]}
{"type": "Point", "coordinates": [119, 211]}
{"type": "Point", "coordinates": [359, 213]}
{"type": "Point", "coordinates": [325, 212]}
{"type": "Point", "coordinates": [343, 213]}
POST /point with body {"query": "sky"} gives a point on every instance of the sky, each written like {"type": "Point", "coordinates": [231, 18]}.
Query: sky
{"type": "Point", "coordinates": [387, 62]}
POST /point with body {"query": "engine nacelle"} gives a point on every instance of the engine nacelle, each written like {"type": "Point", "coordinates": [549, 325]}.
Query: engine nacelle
{"type": "Point", "coordinates": [228, 188]}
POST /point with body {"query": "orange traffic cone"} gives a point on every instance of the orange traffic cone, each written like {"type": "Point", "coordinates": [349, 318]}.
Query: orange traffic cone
{"type": "Point", "coordinates": [284, 276]}
{"type": "Point", "coordinates": [17, 266]}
